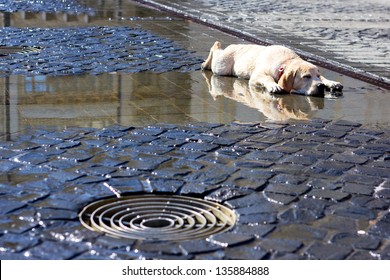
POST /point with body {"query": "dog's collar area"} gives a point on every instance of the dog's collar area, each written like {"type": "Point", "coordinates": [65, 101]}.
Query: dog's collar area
{"type": "Point", "coordinates": [281, 71]}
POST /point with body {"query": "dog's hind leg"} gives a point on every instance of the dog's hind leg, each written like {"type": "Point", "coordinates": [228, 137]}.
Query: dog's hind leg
{"type": "Point", "coordinates": [207, 64]}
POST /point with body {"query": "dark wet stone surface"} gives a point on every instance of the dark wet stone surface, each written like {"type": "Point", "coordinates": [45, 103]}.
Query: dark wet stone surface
{"type": "Point", "coordinates": [94, 50]}
{"type": "Point", "coordinates": [319, 251]}
{"type": "Point", "coordinates": [325, 209]}
{"type": "Point", "coordinates": [67, 6]}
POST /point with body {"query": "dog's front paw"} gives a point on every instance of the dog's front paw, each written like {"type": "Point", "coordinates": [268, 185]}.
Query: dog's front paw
{"type": "Point", "coordinates": [334, 86]}
{"type": "Point", "coordinates": [274, 88]}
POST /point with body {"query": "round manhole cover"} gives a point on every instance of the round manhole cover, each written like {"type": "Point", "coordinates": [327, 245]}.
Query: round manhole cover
{"type": "Point", "coordinates": [157, 217]}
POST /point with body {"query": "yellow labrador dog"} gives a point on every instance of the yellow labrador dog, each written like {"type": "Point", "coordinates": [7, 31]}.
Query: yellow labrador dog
{"type": "Point", "coordinates": [276, 68]}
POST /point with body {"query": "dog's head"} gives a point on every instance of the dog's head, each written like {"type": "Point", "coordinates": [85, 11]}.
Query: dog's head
{"type": "Point", "coordinates": [302, 77]}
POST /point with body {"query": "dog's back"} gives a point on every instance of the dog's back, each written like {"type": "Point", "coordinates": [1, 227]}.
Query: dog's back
{"type": "Point", "coordinates": [235, 60]}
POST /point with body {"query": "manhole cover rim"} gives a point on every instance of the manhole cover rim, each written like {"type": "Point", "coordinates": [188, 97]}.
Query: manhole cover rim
{"type": "Point", "coordinates": [216, 218]}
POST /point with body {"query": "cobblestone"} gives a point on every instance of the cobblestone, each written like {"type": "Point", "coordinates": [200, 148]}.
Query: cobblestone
{"type": "Point", "coordinates": [68, 6]}
{"type": "Point", "coordinates": [94, 50]}
{"type": "Point", "coordinates": [291, 210]}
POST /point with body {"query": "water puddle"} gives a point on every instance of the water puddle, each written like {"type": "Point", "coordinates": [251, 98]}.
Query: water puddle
{"type": "Point", "coordinates": [146, 97]}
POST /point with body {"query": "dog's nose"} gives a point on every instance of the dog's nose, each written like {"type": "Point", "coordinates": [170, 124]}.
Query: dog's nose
{"type": "Point", "coordinates": [320, 89]}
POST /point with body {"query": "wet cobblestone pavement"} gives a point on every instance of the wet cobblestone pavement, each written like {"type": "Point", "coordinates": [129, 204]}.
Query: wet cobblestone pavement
{"type": "Point", "coordinates": [68, 6]}
{"type": "Point", "coordinates": [305, 190]}
{"type": "Point", "coordinates": [95, 50]}
{"type": "Point", "coordinates": [313, 189]}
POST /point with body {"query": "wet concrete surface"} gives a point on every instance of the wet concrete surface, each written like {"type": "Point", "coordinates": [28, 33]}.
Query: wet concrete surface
{"type": "Point", "coordinates": [308, 177]}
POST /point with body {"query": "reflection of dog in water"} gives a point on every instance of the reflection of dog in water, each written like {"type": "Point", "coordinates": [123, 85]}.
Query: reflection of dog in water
{"type": "Point", "coordinates": [276, 68]}
{"type": "Point", "coordinates": [276, 108]}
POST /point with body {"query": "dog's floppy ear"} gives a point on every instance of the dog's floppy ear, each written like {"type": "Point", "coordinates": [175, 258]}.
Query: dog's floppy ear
{"type": "Point", "coordinates": [286, 81]}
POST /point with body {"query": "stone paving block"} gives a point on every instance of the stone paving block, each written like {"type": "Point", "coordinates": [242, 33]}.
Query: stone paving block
{"type": "Point", "coordinates": [50, 250]}
{"type": "Point", "coordinates": [385, 193]}
{"type": "Point", "coordinates": [361, 179]}
{"type": "Point", "coordinates": [171, 248]}
{"type": "Point", "coordinates": [358, 189]}
{"type": "Point", "coordinates": [247, 201]}
{"type": "Point", "coordinates": [162, 184]}
{"type": "Point", "coordinates": [385, 163]}
{"type": "Point", "coordinates": [330, 133]}
{"type": "Point", "coordinates": [229, 239]}
{"type": "Point", "coordinates": [296, 215]}
{"type": "Point", "coordinates": [323, 184]}
{"type": "Point", "coordinates": [288, 179]}
{"type": "Point", "coordinates": [13, 224]}
{"type": "Point", "coordinates": [225, 193]}
{"type": "Point", "coordinates": [368, 153]}
{"type": "Point", "coordinates": [334, 195]}
{"type": "Point", "coordinates": [382, 227]}
{"type": "Point", "coordinates": [293, 169]}
{"type": "Point", "coordinates": [7, 166]}
{"type": "Point", "coordinates": [330, 148]}
{"type": "Point", "coordinates": [199, 147]}
{"type": "Point", "coordinates": [237, 181]}
{"type": "Point", "coordinates": [298, 159]}
{"type": "Point", "coordinates": [356, 241]}
{"type": "Point", "coordinates": [330, 167]}
{"type": "Point", "coordinates": [213, 175]}
{"type": "Point", "coordinates": [15, 243]}
{"type": "Point", "coordinates": [57, 204]}
{"type": "Point", "coordinates": [298, 232]}
{"type": "Point", "coordinates": [280, 198]}
{"type": "Point", "coordinates": [320, 251]}
{"type": "Point", "coordinates": [363, 255]}
{"type": "Point", "coordinates": [197, 188]}
{"type": "Point", "coordinates": [253, 164]}
{"type": "Point", "coordinates": [257, 230]}
{"type": "Point", "coordinates": [385, 254]}
{"type": "Point", "coordinates": [288, 189]}
{"type": "Point", "coordinates": [352, 211]}
{"type": "Point", "coordinates": [257, 218]}
{"type": "Point", "coordinates": [245, 253]}
{"type": "Point", "coordinates": [348, 158]}
{"type": "Point", "coordinates": [346, 123]}
{"type": "Point", "coordinates": [280, 245]}
{"type": "Point", "coordinates": [65, 176]}
{"type": "Point", "coordinates": [199, 246]}
{"type": "Point", "coordinates": [171, 172]}
{"type": "Point", "coordinates": [372, 171]}
{"type": "Point", "coordinates": [358, 138]}
{"type": "Point", "coordinates": [56, 214]}
{"type": "Point", "coordinates": [264, 155]}
{"type": "Point", "coordinates": [8, 206]}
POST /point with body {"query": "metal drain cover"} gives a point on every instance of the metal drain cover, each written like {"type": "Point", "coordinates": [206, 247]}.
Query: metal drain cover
{"type": "Point", "coordinates": [157, 217]}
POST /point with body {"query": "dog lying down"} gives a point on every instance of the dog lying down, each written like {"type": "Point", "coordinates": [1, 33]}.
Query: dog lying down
{"type": "Point", "coordinates": [276, 68]}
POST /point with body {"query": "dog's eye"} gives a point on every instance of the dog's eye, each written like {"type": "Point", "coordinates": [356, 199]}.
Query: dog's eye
{"type": "Point", "coordinates": [307, 76]}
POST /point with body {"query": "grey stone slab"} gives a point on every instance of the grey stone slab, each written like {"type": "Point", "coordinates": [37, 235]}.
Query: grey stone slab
{"type": "Point", "coordinates": [356, 241]}
{"type": "Point", "coordinates": [280, 245]}
{"type": "Point", "coordinates": [320, 251]}
{"type": "Point", "coordinates": [334, 195]}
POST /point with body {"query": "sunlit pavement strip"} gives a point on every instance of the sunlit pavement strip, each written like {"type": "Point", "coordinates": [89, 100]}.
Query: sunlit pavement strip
{"type": "Point", "coordinates": [305, 190]}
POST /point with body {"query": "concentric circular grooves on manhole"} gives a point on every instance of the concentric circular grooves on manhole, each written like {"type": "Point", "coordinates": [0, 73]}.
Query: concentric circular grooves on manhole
{"type": "Point", "coordinates": [157, 217]}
